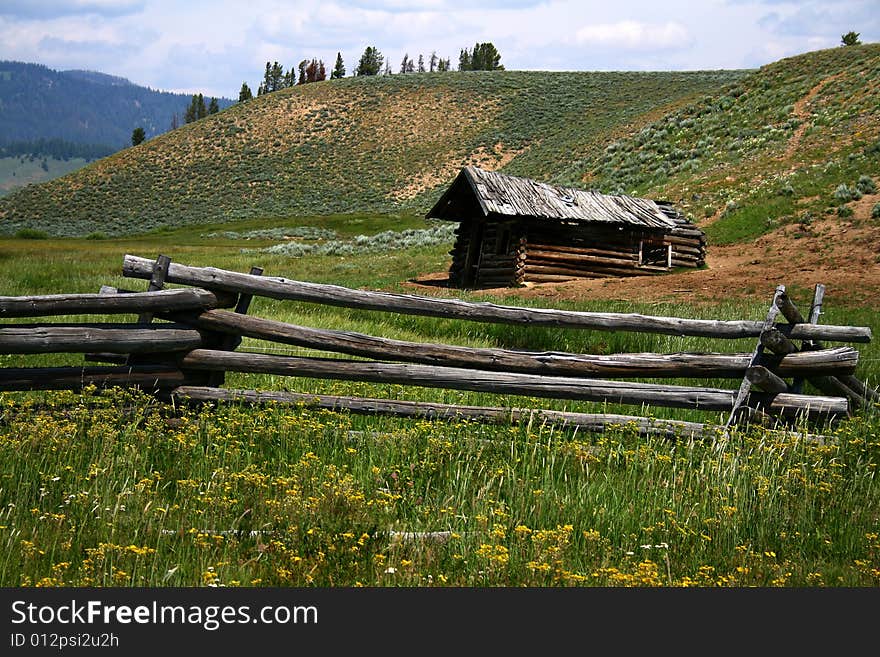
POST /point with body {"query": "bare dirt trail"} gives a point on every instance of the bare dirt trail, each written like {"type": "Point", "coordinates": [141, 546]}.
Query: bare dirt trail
{"type": "Point", "coordinates": [802, 113]}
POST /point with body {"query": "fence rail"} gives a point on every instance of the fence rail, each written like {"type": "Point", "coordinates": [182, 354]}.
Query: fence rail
{"type": "Point", "coordinates": [334, 295]}
{"type": "Point", "coordinates": [184, 341]}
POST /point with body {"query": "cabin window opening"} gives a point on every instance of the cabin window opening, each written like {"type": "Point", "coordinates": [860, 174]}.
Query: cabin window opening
{"type": "Point", "coordinates": [653, 253]}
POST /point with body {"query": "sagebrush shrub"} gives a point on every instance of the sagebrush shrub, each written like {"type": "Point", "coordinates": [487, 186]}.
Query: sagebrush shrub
{"type": "Point", "coordinates": [843, 193]}
{"type": "Point", "coordinates": [866, 185]}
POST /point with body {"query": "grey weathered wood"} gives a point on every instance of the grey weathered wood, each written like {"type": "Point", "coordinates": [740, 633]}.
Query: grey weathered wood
{"type": "Point", "coordinates": [577, 258]}
{"type": "Point", "coordinates": [589, 422]}
{"type": "Point", "coordinates": [621, 392]}
{"type": "Point", "coordinates": [110, 338]}
{"type": "Point", "coordinates": [281, 288]}
{"type": "Point", "coordinates": [833, 386]}
{"type": "Point", "coordinates": [846, 385]}
{"type": "Point", "coordinates": [816, 307]}
{"type": "Point", "coordinates": [533, 272]}
{"type": "Point", "coordinates": [828, 361]}
{"type": "Point", "coordinates": [743, 392]}
{"type": "Point", "coordinates": [105, 357]}
{"type": "Point", "coordinates": [815, 310]}
{"type": "Point", "coordinates": [789, 310]}
{"type": "Point", "coordinates": [775, 340]}
{"type": "Point", "coordinates": [148, 377]}
{"type": "Point", "coordinates": [580, 421]}
{"type": "Point", "coordinates": [761, 377]}
{"type": "Point", "coordinates": [157, 282]}
{"type": "Point", "coordinates": [175, 300]}
{"type": "Point", "coordinates": [623, 254]}
{"type": "Point", "coordinates": [861, 387]}
{"type": "Point", "coordinates": [231, 341]}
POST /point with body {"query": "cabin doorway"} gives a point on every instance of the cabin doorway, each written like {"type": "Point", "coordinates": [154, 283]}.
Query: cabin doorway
{"type": "Point", "coordinates": [472, 261]}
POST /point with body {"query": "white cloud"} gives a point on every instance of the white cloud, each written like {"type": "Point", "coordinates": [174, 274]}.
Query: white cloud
{"type": "Point", "coordinates": [43, 9]}
{"type": "Point", "coordinates": [212, 46]}
{"type": "Point", "coordinates": [632, 35]}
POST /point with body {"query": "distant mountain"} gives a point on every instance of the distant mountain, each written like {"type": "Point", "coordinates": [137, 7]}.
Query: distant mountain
{"type": "Point", "coordinates": [98, 78]}
{"type": "Point", "coordinates": [82, 107]}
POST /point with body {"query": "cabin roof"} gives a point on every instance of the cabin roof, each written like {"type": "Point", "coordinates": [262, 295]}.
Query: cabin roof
{"type": "Point", "coordinates": [511, 196]}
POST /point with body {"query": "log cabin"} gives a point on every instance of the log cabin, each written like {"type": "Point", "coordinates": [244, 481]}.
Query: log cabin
{"type": "Point", "coordinates": [515, 230]}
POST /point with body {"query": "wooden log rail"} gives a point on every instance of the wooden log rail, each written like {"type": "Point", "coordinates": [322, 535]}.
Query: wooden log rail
{"type": "Point", "coordinates": [282, 288]}
{"type": "Point", "coordinates": [189, 355]}
{"type": "Point", "coordinates": [622, 392]}
{"type": "Point", "coordinates": [147, 377]}
{"type": "Point", "coordinates": [590, 422]}
{"type": "Point", "coordinates": [400, 408]}
{"type": "Point", "coordinates": [111, 338]}
{"type": "Point", "coordinates": [838, 360]}
{"type": "Point", "coordinates": [845, 385]}
{"type": "Point", "coordinates": [174, 300]}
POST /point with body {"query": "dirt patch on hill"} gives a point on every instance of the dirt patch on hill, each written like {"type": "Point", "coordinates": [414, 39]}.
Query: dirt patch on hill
{"type": "Point", "coordinates": [842, 254]}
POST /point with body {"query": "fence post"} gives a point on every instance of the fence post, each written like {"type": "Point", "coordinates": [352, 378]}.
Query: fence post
{"type": "Point", "coordinates": [231, 342]}
{"type": "Point", "coordinates": [815, 311]}
{"type": "Point", "coordinates": [847, 386]}
{"type": "Point", "coordinates": [757, 353]}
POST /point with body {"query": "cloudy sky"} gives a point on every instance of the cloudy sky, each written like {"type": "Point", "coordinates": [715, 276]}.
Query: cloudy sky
{"type": "Point", "coordinates": [212, 46]}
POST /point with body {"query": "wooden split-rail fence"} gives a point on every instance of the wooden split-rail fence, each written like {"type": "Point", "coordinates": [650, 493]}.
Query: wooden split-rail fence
{"type": "Point", "coordinates": [184, 356]}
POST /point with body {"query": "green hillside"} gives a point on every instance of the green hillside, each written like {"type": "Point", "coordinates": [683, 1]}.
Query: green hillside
{"type": "Point", "coordinates": [773, 148]}
{"type": "Point", "coordinates": [376, 144]}
{"type": "Point", "coordinates": [741, 151]}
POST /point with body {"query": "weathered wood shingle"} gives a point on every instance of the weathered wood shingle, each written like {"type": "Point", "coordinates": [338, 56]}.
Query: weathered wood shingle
{"type": "Point", "coordinates": [503, 195]}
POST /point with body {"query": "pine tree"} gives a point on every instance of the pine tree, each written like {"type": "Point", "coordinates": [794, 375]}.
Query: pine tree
{"type": "Point", "coordinates": [245, 93]}
{"type": "Point", "coordinates": [267, 80]}
{"type": "Point", "coordinates": [850, 39]}
{"type": "Point", "coordinates": [191, 113]}
{"type": "Point", "coordinates": [312, 71]}
{"type": "Point", "coordinates": [137, 136]}
{"type": "Point", "coordinates": [213, 106]}
{"type": "Point", "coordinates": [432, 63]}
{"type": "Point", "coordinates": [201, 110]}
{"type": "Point", "coordinates": [464, 60]}
{"type": "Point", "coordinates": [405, 63]}
{"type": "Point", "coordinates": [338, 69]}
{"type": "Point", "coordinates": [273, 78]}
{"type": "Point", "coordinates": [485, 57]}
{"type": "Point", "coordinates": [421, 68]}
{"type": "Point", "coordinates": [371, 62]}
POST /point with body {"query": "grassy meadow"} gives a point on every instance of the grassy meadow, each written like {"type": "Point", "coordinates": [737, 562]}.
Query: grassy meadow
{"type": "Point", "coordinates": [329, 182]}
{"type": "Point", "coordinates": [16, 172]}
{"type": "Point", "coordinates": [112, 488]}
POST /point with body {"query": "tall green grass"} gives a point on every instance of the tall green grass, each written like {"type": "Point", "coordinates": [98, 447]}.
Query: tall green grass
{"type": "Point", "coordinates": [113, 488]}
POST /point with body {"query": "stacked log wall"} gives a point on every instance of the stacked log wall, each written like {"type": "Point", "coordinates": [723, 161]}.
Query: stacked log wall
{"type": "Point", "coordinates": [559, 253]}
{"type": "Point", "coordinates": [499, 269]}
{"type": "Point", "coordinates": [688, 242]}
